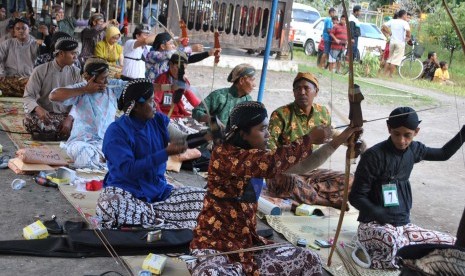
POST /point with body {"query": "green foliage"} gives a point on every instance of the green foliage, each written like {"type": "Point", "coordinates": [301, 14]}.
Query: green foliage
{"type": "Point", "coordinates": [440, 30]}
{"type": "Point", "coordinates": [369, 66]}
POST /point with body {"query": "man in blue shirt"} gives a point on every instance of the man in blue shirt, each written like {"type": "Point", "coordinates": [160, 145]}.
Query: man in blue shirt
{"type": "Point", "coordinates": [328, 25]}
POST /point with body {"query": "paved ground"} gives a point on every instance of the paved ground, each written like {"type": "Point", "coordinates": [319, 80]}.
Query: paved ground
{"type": "Point", "coordinates": [438, 187]}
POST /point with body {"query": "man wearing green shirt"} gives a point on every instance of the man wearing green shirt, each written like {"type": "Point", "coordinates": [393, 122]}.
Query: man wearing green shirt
{"type": "Point", "coordinates": [287, 124]}
{"type": "Point", "coordinates": [220, 102]}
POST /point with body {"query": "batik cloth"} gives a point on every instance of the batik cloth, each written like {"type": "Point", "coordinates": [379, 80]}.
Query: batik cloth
{"type": "Point", "coordinates": [319, 187]}
{"type": "Point", "coordinates": [287, 260]}
{"type": "Point", "coordinates": [322, 187]}
{"type": "Point", "coordinates": [13, 86]}
{"type": "Point", "coordinates": [117, 207]}
{"type": "Point", "coordinates": [45, 131]}
{"type": "Point", "coordinates": [226, 222]}
{"type": "Point", "coordinates": [383, 241]}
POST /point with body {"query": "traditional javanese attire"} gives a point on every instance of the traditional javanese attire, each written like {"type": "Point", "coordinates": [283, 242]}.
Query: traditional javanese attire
{"type": "Point", "coordinates": [385, 229]}
{"type": "Point", "coordinates": [135, 189]}
{"type": "Point", "coordinates": [220, 103]}
{"type": "Point", "coordinates": [227, 221]}
{"type": "Point", "coordinates": [17, 59]}
{"type": "Point", "coordinates": [320, 186]}
{"type": "Point", "coordinates": [43, 80]}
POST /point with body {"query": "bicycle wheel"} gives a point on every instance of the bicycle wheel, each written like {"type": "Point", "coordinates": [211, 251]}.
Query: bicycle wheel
{"type": "Point", "coordinates": [410, 69]}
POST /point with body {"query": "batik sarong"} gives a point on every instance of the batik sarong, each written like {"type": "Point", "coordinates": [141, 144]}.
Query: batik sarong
{"type": "Point", "coordinates": [49, 131]}
{"type": "Point", "coordinates": [86, 154]}
{"type": "Point", "coordinates": [282, 261]}
{"type": "Point", "coordinates": [383, 241]}
{"type": "Point", "coordinates": [13, 86]}
{"type": "Point", "coordinates": [116, 207]}
{"type": "Point", "coordinates": [319, 187]}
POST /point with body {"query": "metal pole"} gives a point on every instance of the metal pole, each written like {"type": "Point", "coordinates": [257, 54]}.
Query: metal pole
{"type": "Point", "coordinates": [149, 20]}
{"type": "Point", "coordinates": [116, 9]}
{"type": "Point", "coordinates": [108, 10]}
{"type": "Point", "coordinates": [269, 40]}
{"type": "Point", "coordinates": [122, 12]}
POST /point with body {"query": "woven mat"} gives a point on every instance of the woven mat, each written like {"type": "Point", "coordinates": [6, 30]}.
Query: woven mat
{"type": "Point", "coordinates": [87, 202]}
{"type": "Point", "coordinates": [312, 228]}
{"type": "Point", "coordinates": [11, 119]}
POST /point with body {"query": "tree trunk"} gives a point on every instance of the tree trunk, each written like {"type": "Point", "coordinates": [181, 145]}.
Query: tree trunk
{"type": "Point", "coordinates": [451, 54]}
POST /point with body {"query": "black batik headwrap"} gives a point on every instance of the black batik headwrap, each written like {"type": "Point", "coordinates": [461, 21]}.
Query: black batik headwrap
{"type": "Point", "coordinates": [136, 91]}
{"type": "Point", "coordinates": [55, 37]}
{"type": "Point", "coordinates": [95, 66]}
{"type": "Point", "coordinates": [403, 117]}
{"type": "Point", "coordinates": [244, 116]}
{"type": "Point", "coordinates": [66, 44]}
{"type": "Point", "coordinates": [160, 39]}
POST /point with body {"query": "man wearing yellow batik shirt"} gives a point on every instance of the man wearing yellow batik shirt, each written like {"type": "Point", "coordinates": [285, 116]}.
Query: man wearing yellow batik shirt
{"type": "Point", "coordinates": [293, 121]}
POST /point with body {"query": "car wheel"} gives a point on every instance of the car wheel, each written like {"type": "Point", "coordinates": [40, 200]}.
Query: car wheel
{"type": "Point", "coordinates": [309, 48]}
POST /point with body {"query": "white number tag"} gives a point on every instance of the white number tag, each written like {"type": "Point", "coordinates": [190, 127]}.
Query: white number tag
{"type": "Point", "coordinates": [167, 98]}
{"type": "Point", "coordinates": [390, 195]}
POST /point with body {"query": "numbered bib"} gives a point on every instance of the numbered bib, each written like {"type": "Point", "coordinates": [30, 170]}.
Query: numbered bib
{"type": "Point", "coordinates": [390, 195]}
{"type": "Point", "coordinates": [167, 98]}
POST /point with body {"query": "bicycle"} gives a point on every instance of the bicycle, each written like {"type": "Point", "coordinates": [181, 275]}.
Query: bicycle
{"type": "Point", "coordinates": [411, 67]}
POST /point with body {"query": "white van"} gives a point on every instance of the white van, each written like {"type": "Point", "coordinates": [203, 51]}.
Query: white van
{"type": "Point", "coordinates": [302, 19]}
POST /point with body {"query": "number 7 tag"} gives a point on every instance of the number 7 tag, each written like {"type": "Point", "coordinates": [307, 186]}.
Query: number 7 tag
{"type": "Point", "coordinates": [390, 195]}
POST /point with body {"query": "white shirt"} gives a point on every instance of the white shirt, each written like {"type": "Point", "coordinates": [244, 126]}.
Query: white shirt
{"type": "Point", "coordinates": [399, 28]}
{"type": "Point", "coordinates": [133, 67]}
{"type": "Point", "coordinates": [354, 19]}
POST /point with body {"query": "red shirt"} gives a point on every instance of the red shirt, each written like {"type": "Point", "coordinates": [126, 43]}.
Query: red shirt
{"type": "Point", "coordinates": [163, 98]}
{"type": "Point", "coordinates": [340, 32]}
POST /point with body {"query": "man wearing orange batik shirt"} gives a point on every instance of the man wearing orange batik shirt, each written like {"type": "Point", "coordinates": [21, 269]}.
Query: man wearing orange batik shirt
{"type": "Point", "coordinates": [291, 122]}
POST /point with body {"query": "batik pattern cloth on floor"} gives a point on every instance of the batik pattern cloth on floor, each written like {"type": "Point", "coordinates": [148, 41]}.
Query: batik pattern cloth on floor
{"type": "Point", "coordinates": [179, 211]}
{"type": "Point", "coordinates": [13, 86]}
{"type": "Point", "coordinates": [383, 241]}
{"type": "Point", "coordinates": [49, 131]}
{"type": "Point", "coordinates": [287, 260]}
{"type": "Point", "coordinates": [319, 187]}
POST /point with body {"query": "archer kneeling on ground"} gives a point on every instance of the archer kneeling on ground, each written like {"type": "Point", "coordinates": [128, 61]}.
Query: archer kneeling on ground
{"type": "Point", "coordinates": [381, 190]}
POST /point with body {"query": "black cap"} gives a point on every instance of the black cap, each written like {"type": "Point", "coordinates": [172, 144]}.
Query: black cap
{"type": "Point", "coordinates": [357, 8]}
{"type": "Point", "coordinates": [403, 117]}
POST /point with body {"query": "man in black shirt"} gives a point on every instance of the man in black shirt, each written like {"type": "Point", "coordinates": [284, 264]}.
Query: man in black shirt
{"type": "Point", "coordinates": [381, 189]}
{"type": "Point", "coordinates": [429, 66]}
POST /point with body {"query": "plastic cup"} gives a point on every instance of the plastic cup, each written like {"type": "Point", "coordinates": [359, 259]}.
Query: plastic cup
{"type": "Point", "coordinates": [18, 184]}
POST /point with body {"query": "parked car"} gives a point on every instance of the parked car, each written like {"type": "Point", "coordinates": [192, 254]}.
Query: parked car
{"type": "Point", "coordinates": [371, 37]}
{"type": "Point", "coordinates": [302, 19]}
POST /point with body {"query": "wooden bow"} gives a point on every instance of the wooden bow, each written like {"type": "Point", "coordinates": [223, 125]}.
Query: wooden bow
{"type": "Point", "coordinates": [217, 45]}
{"type": "Point", "coordinates": [356, 120]}
{"type": "Point", "coordinates": [184, 36]}
{"type": "Point", "coordinates": [454, 24]}
{"type": "Point", "coordinates": [461, 230]}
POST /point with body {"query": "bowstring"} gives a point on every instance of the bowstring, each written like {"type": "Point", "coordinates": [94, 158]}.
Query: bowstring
{"type": "Point", "coordinates": [458, 123]}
